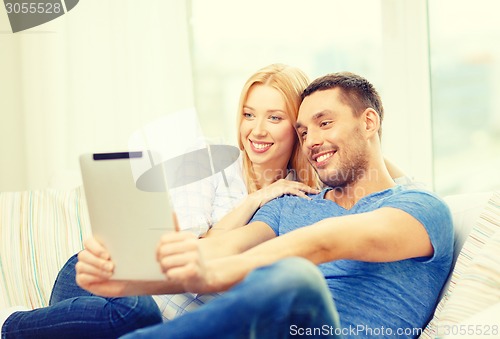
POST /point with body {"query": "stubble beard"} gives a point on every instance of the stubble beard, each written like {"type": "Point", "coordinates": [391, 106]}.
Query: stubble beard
{"type": "Point", "coordinates": [350, 169]}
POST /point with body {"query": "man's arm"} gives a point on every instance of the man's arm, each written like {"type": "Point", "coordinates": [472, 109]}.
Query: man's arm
{"type": "Point", "coordinates": [386, 234]}
{"type": "Point", "coordinates": [383, 235]}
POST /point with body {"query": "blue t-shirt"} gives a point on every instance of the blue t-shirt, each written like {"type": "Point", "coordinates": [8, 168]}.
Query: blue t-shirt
{"type": "Point", "coordinates": [382, 298]}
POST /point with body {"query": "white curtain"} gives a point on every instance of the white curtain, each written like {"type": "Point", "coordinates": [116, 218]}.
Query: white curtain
{"type": "Point", "coordinates": [84, 82]}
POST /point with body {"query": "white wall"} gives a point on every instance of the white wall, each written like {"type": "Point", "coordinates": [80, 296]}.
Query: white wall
{"type": "Point", "coordinates": [12, 163]}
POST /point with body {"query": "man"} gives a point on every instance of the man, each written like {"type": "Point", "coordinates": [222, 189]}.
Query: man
{"type": "Point", "coordinates": [384, 251]}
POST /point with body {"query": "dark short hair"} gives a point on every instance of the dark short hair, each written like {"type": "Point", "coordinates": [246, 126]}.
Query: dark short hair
{"type": "Point", "coordinates": [356, 91]}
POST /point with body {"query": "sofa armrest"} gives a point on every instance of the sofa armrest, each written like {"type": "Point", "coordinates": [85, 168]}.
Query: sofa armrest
{"type": "Point", "coordinates": [39, 231]}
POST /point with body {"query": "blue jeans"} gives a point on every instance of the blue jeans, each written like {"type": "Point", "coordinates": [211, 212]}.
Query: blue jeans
{"type": "Point", "coordinates": [75, 313]}
{"type": "Point", "coordinates": [286, 299]}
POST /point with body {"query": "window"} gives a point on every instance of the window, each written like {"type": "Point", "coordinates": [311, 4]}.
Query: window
{"type": "Point", "coordinates": [233, 39]}
{"type": "Point", "coordinates": [465, 77]}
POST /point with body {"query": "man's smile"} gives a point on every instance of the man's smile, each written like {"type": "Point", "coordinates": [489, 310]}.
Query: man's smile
{"type": "Point", "coordinates": [320, 159]}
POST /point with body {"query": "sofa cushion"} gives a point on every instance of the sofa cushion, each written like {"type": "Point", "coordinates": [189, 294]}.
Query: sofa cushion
{"type": "Point", "coordinates": [465, 210]}
{"type": "Point", "coordinates": [477, 290]}
{"type": "Point", "coordinates": [469, 277]}
{"type": "Point", "coordinates": [39, 231]}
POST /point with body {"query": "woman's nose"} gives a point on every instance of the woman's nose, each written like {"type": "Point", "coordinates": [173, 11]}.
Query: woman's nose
{"type": "Point", "coordinates": [259, 129]}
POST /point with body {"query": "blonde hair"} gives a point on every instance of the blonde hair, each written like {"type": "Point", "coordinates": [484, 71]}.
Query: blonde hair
{"type": "Point", "coordinates": [290, 82]}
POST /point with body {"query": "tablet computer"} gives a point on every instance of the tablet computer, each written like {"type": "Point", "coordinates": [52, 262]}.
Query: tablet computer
{"type": "Point", "coordinates": [128, 220]}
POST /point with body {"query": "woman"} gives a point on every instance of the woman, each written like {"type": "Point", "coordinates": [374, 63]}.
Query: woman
{"type": "Point", "coordinates": [268, 110]}
{"type": "Point", "coordinates": [272, 165]}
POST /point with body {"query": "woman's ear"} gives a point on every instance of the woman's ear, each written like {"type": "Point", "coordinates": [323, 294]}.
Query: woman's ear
{"type": "Point", "coordinates": [372, 121]}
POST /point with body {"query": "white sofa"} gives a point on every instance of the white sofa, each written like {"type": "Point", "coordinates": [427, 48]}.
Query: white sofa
{"type": "Point", "coordinates": [39, 230]}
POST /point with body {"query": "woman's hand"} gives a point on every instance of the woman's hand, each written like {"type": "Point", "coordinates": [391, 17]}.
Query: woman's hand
{"type": "Point", "coordinates": [94, 269]}
{"type": "Point", "coordinates": [282, 187]}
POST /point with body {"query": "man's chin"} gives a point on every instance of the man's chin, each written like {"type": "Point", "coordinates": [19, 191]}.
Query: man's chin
{"type": "Point", "coordinates": [334, 179]}
{"type": "Point", "coordinates": [336, 184]}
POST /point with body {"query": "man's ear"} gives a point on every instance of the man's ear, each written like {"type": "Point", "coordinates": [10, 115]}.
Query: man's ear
{"type": "Point", "coordinates": [372, 121]}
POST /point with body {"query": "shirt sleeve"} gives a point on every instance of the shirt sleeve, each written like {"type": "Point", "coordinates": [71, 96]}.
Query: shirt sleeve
{"type": "Point", "coordinates": [230, 189]}
{"type": "Point", "coordinates": [193, 204]}
{"type": "Point", "coordinates": [270, 214]}
{"type": "Point", "coordinates": [432, 212]}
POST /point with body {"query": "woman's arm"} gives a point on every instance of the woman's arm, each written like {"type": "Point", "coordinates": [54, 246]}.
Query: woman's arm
{"type": "Point", "coordinates": [394, 171]}
{"type": "Point", "coordinates": [242, 214]}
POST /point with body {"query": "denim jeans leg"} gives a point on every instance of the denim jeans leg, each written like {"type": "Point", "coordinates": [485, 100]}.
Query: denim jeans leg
{"type": "Point", "coordinates": [75, 313]}
{"type": "Point", "coordinates": [277, 301]}
{"type": "Point", "coordinates": [65, 286]}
